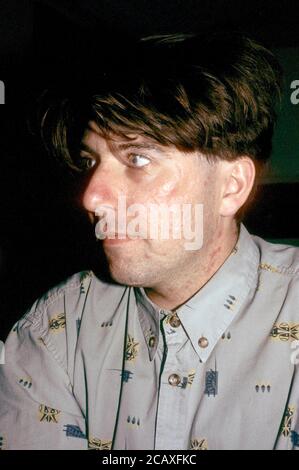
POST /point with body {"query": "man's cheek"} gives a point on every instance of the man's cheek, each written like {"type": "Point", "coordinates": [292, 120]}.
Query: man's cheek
{"type": "Point", "coordinates": [170, 190]}
{"type": "Point", "coordinates": [162, 191]}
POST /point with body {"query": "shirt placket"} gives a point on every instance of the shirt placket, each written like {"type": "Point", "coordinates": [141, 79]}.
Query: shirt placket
{"type": "Point", "coordinates": [174, 390]}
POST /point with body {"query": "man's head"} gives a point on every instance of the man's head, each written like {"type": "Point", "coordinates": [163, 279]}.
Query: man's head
{"type": "Point", "coordinates": [181, 120]}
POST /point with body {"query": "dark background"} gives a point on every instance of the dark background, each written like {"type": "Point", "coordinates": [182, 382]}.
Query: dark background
{"type": "Point", "coordinates": [44, 237]}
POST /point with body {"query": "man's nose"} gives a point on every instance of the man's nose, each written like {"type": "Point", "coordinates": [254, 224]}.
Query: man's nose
{"type": "Point", "coordinates": [101, 188]}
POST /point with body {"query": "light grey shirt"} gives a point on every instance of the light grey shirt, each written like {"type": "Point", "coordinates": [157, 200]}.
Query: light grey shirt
{"type": "Point", "coordinates": [97, 365]}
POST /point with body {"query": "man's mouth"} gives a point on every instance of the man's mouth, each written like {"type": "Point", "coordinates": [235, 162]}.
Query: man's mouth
{"type": "Point", "coordinates": [102, 233]}
{"type": "Point", "coordinates": [117, 239]}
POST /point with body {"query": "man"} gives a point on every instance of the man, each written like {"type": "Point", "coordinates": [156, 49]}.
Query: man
{"type": "Point", "coordinates": [189, 345]}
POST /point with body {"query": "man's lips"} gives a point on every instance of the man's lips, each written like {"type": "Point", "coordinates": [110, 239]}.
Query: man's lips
{"type": "Point", "coordinates": [119, 236]}
{"type": "Point", "coordinates": [118, 240]}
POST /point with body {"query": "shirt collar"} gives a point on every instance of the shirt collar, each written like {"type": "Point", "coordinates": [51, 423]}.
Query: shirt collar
{"type": "Point", "coordinates": [206, 316]}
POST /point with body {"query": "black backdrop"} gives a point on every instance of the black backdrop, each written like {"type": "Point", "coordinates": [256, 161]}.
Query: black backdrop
{"type": "Point", "coordinates": [43, 235]}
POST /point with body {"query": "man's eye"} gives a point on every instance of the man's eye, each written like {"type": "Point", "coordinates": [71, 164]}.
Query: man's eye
{"type": "Point", "coordinates": [86, 163]}
{"type": "Point", "coordinates": [138, 161]}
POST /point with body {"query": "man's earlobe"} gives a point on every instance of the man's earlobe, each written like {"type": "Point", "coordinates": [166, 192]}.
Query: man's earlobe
{"type": "Point", "coordinates": [239, 179]}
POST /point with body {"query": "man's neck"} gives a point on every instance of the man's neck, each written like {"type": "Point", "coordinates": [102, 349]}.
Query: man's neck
{"type": "Point", "coordinates": [175, 292]}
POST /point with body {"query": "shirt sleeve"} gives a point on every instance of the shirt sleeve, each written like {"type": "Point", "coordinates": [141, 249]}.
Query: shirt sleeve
{"type": "Point", "coordinates": [37, 407]}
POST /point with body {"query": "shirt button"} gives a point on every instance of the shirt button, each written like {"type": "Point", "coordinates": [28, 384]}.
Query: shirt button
{"type": "Point", "coordinates": [174, 321]}
{"type": "Point", "coordinates": [203, 342]}
{"type": "Point", "coordinates": [174, 380]}
{"type": "Point", "coordinates": [152, 341]}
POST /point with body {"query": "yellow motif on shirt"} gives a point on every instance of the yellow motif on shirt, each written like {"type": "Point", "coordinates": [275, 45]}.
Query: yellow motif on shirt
{"type": "Point", "coordinates": [199, 444]}
{"type": "Point", "coordinates": [269, 267]}
{"type": "Point", "coordinates": [98, 444]}
{"type": "Point", "coordinates": [285, 331]}
{"type": "Point", "coordinates": [191, 376]}
{"type": "Point", "coordinates": [48, 414]}
{"type": "Point", "coordinates": [58, 322]}
{"type": "Point", "coordinates": [287, 422]}
{"type": "Point", "coordinates": [131, 348]}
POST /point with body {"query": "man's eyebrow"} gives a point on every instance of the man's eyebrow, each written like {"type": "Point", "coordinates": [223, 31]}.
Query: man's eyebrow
{"type": "Point", "coordinates": [119, 147]}
{"type": "Point", "coordinates": [84, 146]}
{"type": "Point", "coordinates": [145, 145]}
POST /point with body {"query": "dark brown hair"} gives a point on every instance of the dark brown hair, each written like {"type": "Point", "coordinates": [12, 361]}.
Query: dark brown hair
{"type": "Point", "coordinates": [216, 94]}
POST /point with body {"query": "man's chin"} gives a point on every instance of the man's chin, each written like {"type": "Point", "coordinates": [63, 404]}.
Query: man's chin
{"type": "Point", "coordinates": [128, 275]}
{"type": "Point", "coordinates": [126, 279]}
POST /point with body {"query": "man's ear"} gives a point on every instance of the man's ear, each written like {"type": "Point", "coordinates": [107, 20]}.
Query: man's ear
{"type": "Point", "coordinates": [238, 180]}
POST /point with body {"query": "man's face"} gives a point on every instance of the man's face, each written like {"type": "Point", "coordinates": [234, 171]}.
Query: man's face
{"type": "Point", "coordinates": [143, 172]}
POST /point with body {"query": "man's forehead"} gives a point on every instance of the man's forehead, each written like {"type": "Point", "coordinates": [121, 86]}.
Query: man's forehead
{"type": "Point", "coordinates": [93, 133]}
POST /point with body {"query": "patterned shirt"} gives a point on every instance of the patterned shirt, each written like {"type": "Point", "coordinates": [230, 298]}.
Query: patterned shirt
{"type": "Point", "coordinates": [100, 366]}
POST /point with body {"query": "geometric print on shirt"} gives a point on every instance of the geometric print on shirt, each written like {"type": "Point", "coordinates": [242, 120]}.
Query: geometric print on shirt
{"type": "Point", "coordinates": [198, 444]}
{"type": "Point", "coordinates": [132, 347]}
{"type": "Point", "coordinates": [286, 426]}
{"type": "Point", "coordinates": [99, 444]}
{"type": "Point", "coordinates": [57, 323]}
{"type": "Point", "coordinates": [285, 331]}
{"type": "Point", "coordinates": [48, 414]}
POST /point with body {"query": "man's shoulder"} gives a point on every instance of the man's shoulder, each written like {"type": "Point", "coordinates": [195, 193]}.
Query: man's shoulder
{"type": "Point", "coordinates": [278, 258]}
{"type": "Point", "coordinates": [279, 278]}
{"type": "Point", "coordinates": [67, 290]}
{"type": "Point", "coordinates": [53, 322]}
{"type": "Point", "coordinates": [65, 301]}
